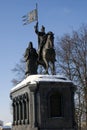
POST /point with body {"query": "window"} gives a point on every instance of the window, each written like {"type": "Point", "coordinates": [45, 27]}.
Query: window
{"type": "Point", "coordinates": [55, 105]}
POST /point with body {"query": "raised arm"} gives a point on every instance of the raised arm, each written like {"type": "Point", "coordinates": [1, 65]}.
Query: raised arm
{"type": "Point", "coordinates": [36, 28]}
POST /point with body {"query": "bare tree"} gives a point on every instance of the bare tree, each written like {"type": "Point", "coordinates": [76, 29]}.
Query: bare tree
{"type": "Point", "coordinates": [19, 70]}
{"type": "Point", "coordinates": [72, 60]}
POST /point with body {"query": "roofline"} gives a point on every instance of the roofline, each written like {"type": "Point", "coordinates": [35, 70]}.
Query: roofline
{"type": "Point", "coordinates": [34, 79]}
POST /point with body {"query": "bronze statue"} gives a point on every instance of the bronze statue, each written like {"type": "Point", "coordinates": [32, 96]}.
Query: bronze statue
{"type": "Point", "coordinates": [41, 39]}
{"type": "Point", "coordinates": [31, 60]}
{"type": "Point", "coordinates": [48, 53]}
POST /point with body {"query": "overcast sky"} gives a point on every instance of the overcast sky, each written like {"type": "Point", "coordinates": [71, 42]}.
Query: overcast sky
{"type": "Point", "coordinates": [59, 16]}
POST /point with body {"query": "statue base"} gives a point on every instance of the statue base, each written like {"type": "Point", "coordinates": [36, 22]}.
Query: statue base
{"type": "Point", "coordinates": [44, 102]}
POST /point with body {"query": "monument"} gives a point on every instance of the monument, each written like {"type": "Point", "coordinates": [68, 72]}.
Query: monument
{"type": "Point", "coordinates": [43, 102]}
{"type": "Point", "coordinates": [45, 54]}
{"type": "Point", "coordinates": [46, 51]}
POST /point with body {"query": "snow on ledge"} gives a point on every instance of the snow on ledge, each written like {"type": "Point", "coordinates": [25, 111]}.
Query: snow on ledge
{"type": "Point", "coordinates": [33, 79]}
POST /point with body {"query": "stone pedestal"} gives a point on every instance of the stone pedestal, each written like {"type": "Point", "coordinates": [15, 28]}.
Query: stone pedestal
{"type": "Point", "coordinates": [43, 102]}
